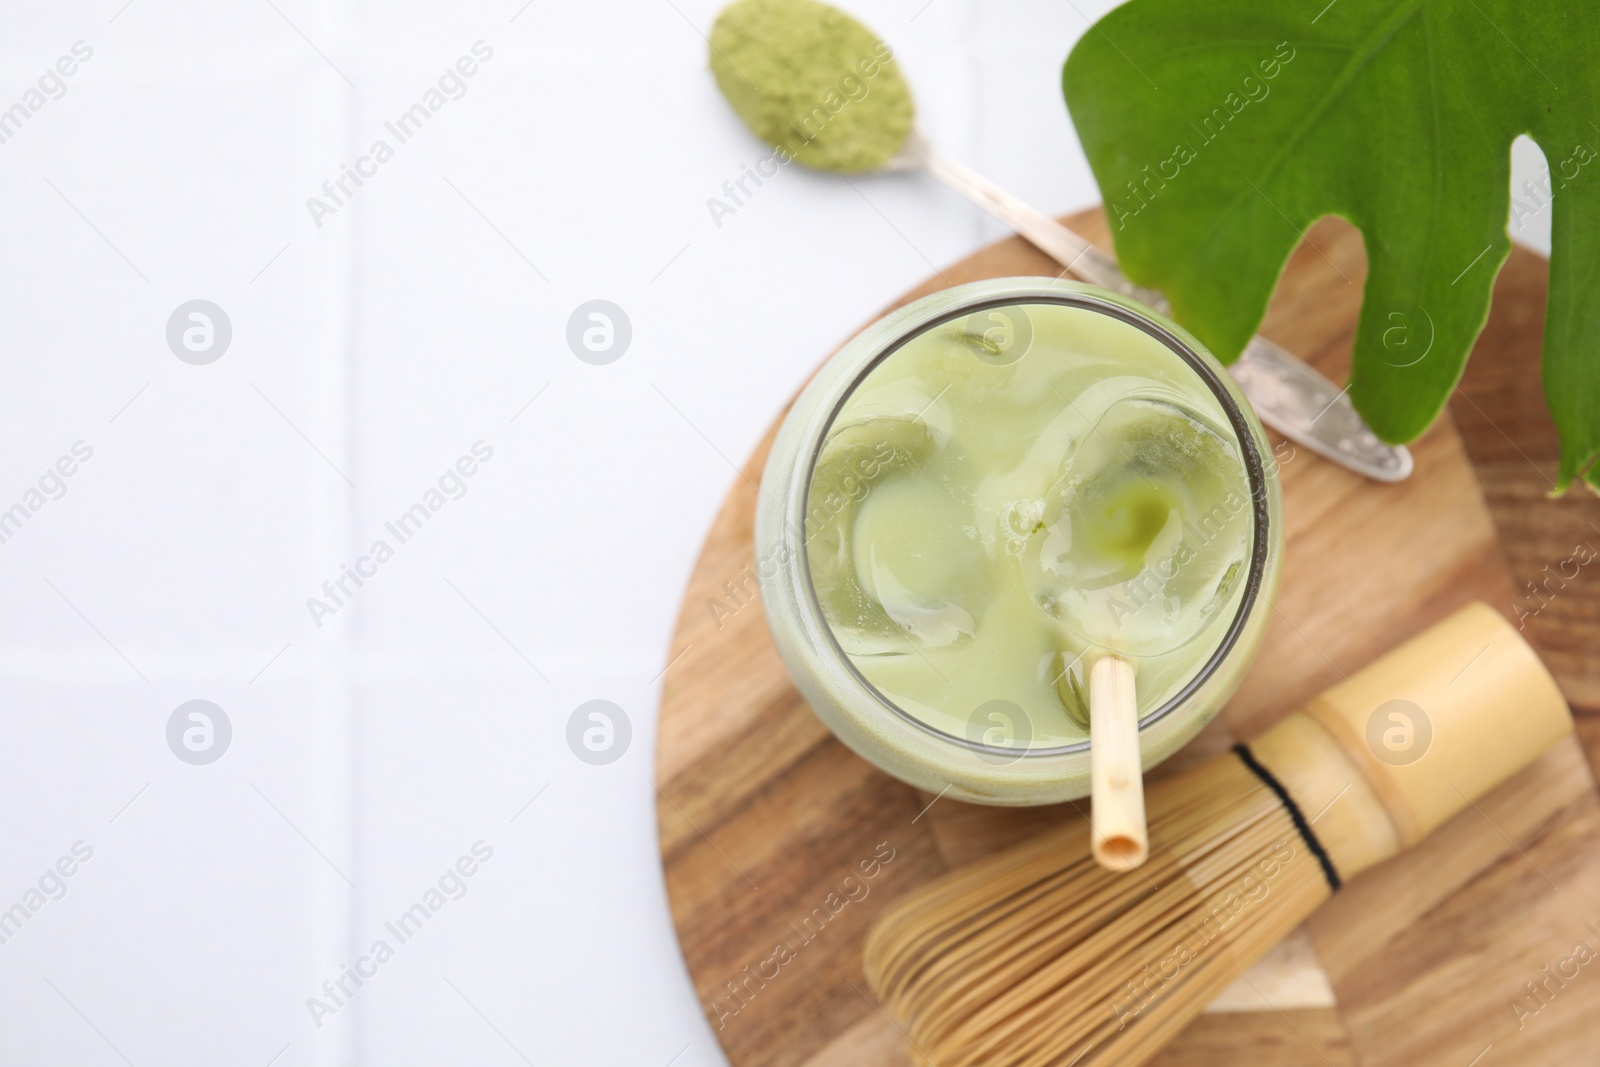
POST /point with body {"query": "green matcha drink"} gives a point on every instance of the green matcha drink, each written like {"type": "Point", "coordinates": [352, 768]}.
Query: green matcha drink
{"type": "Point", "coordinates": [988, 492]}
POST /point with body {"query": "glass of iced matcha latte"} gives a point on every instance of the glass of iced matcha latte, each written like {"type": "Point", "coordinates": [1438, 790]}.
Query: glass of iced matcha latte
{"type": "Point", "coordinates": [989, 497]}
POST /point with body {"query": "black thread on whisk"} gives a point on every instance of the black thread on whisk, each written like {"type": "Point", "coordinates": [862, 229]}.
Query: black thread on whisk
{"type": "Point", "coordinates": [1295, 814]}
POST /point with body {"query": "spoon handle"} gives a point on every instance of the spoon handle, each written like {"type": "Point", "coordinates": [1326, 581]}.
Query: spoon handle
{"type": "Point", "coordinates": [1288, 394]}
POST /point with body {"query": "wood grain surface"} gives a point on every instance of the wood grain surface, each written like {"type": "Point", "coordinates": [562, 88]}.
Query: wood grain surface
{"type": "Point", "coordinates": [763, 815]}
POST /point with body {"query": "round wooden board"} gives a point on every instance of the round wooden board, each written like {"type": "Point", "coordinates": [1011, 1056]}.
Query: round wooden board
{"type": "Point", "coordinates": [763, 816]}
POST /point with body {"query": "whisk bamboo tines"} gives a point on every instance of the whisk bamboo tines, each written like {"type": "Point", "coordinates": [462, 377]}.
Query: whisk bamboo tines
{"type": "Point", "coordinates": [1038, 956]}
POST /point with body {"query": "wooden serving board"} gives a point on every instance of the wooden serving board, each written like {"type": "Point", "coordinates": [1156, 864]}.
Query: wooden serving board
{"type": "Point", "coordinates": [763, 815]}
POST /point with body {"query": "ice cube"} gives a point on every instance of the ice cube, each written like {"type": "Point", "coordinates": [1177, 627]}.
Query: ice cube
{"type": "Point", "coordinates": [895, 561]}
{"type": "Point", "coordinates": [920, 560]}
{"type": "Point", "coordinates": [1146, 531]}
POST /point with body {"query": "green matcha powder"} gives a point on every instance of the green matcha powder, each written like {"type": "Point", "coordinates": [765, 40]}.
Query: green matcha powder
{"type": "Point", "coordinates": [812, 82]}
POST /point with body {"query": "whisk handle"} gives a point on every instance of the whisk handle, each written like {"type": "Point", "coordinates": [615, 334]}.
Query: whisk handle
{"type": "Point", "coordinates": [1386, 757]}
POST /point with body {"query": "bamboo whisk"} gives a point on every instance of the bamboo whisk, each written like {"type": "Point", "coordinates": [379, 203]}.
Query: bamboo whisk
{"type": "Point", "coordinates": [1038, 956]}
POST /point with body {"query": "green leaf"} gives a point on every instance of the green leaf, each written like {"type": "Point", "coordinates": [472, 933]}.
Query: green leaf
{"type": "Point", "coordinates": [1220, 131]}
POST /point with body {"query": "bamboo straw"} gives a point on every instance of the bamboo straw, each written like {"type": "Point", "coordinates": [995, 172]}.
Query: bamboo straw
{"type": "Point", "coordinates": [1038, 956]}
{"type": "Point", "coordinates": [1119, 841]}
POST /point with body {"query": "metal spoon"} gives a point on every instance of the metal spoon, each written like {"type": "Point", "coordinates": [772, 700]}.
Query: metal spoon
{"type": "Point", "coordinates": [1287, 393]}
